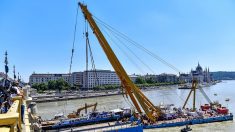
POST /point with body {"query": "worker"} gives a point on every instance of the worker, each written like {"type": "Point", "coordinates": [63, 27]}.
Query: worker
{"type": "Point", "coordinates": [2, 110]}
{"type": "Point", "coordinates": [15, 91]}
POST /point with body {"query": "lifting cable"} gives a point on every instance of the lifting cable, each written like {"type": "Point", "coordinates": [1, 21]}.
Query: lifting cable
{"type": "Point", "coordinates": [136, 44]}
{"type": "Point", "coordinates": [126, 99]}
{"type": "Point", "coordinates": [74, 39]}
{"type": "Point", "coordinates": [88, 47]}
{"type": "Point", "coordinates": [123, 51]}
{"type": "Point", "coordinates": [128, 48]}
{"type": "Point", "coordinates": [117, 34]}
{"type": "Point", "coordinates": [71, 59]}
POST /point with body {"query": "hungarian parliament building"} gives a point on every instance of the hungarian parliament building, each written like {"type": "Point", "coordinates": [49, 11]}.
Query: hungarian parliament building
{"type": "Point", "coordinates": [202, 76]}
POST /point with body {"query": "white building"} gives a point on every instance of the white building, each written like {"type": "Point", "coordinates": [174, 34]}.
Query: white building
{"type": "Point", "coordinates": [93, 78]}
{"type": "Point", "coordinates": [77, 78]}
{"type": "Point", "coordinates": [44, 78]}
{"type": "Point", "coordinates": [133, 77]}
{"type": "Point", "coordinates": [86, 79]}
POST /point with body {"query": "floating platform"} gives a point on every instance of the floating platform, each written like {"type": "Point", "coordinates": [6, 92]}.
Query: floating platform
{"type": "Point", "coordinates": [191, 122]}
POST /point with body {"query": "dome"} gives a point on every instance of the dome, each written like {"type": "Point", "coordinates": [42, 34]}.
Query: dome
{"type": "Point", "coordinates": [199, 68]}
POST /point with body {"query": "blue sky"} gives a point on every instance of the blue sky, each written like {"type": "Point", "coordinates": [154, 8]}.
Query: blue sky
{"type": "Point", "coordinates": [38, 34]}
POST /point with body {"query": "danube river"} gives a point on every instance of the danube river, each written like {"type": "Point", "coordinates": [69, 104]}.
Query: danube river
{"type": "Point", "coordinates": [166, 95]}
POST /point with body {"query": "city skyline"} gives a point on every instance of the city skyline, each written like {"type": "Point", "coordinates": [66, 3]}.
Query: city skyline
{"type": "Point", "coordinates": [38, 38]}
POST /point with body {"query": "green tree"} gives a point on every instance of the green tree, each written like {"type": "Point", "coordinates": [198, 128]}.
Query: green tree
{"type": "Point", "coordinates": [35, 86]}
{"type": "Point", "coordinates": [60, 84]}
{"type": "Point", "coordinates": [150, 80]}
{"type": "Point", "coordinates": [66, 86]}
{"type": "Point", "coordinates": [140, 80]}
{"type": "Point", "coordinates": [42, 86]}
{"type": "Point", "coordinates": [51, 85]}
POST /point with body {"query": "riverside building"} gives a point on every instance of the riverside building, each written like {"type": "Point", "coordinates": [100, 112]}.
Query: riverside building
{"type": "Point", "coordinates": [44, 78]}
{"type": "Point", "coordinates": [93, 78]}
{"type": "Point", "coordinates": [199, 74]}
{"type": "Point", "coordinates": [87, 79]}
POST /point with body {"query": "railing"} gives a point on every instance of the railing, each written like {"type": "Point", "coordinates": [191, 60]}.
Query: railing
{"type": "Point", "coordinates": [11, 121]}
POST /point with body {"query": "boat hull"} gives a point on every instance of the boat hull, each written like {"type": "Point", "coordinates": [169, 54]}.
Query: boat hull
{"type": "Point", "coordinates": [77, 123]}
{"type": "Point", "coordinates": [191, 122]}
{"type": "Point", "coordinates": [138, 128]}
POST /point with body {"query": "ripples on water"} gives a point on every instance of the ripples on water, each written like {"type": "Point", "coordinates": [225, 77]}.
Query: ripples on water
{"type": "Point", "coordinates": [167, 95]}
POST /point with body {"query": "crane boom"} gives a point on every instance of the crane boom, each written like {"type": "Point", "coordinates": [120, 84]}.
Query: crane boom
{"type": "Point", "coordinates": [136, 96]}
{"type": "Point", "coordinates": [77, 114]}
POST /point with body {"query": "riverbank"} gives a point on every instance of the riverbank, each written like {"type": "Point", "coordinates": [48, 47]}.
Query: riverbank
{"type": "Point", "coordinates": [72, 95]}
{"type": "Point", "coordinates": [55, 98]}
{"type": "Point", "coordinates": [52, 96]}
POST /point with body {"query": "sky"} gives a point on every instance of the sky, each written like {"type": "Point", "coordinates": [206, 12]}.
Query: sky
{"type": "Point", "coordinates": [38, 35]}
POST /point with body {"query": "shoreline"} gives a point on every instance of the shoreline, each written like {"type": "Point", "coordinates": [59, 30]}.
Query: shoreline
{"type": "Point", "coordinates": [69, 97]}
{"type": "Point", "coordinates": [93, 94]}
{"type": "Point", "coordinates": [85, 94]}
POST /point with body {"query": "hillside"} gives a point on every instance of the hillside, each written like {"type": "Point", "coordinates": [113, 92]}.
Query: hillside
{"type": "Point", "coordinates": [223, 75]}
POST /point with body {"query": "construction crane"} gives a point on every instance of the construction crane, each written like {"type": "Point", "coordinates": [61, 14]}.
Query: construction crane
{"type": "Point", "coordinates": [77, 114]}
{"type": "Point", "coordinates": [193, 89]}
{"type": "Point", "coordinates": [137, 97]}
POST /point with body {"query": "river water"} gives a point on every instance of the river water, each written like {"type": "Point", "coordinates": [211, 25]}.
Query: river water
{"type": "Point", "coordinates": [166, 95]}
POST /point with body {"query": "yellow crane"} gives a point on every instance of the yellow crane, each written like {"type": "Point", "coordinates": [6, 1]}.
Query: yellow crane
{"type": "Point", "coordinates": [135, 94]}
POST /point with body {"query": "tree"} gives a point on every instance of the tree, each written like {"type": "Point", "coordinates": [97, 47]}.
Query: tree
{"type": "Point", "coordinates": [51, 85]}
{"type": "Point", "coordinates": [59, 84]}
{"type": "Point", "coordinates": [35, 86]}
{"type": "Point", "coordinates": [150, 80]}
{"type": "Point", "coordinates": [140, 80]}
{"type": "Point", "coordinates": [42, 87]}
{"type": "Point", "coordinates": [66, 86]}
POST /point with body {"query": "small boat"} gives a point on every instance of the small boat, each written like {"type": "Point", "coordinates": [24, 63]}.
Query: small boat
{"type": "Point", "coordinates": [184, 87]}
{"type": "Point", "coordinates": [186, 129]}
{"type": "Point", "coordinates": [59, 116]}
{"type": "Point", "coordinates": [227, 99]}
{"type": "Point", "coordinates": [215, 94]}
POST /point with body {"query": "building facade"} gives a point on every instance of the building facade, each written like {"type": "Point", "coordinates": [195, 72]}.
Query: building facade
{"type": "Point", "coordinates": [163, 78]}
{"type": "Point", "coordinates": [133, 77]}
{"type": "Point", "coordinates": [86, 79]}
{"type": "Point", "coordinates": [77, 79]}
{"type": "Point", "coordinates": [44, 78]}
{"type": "Point", "coordinates": [199, 74]}
{"type": "Point", "coordinates": [93, 78]}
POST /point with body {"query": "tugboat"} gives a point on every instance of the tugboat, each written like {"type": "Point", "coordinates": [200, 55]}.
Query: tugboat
{"type": "Point", "coordinates": [186, 129]}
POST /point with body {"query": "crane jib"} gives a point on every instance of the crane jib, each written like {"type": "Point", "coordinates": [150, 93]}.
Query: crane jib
{"type": "Point", "coordinates": [136, 96]}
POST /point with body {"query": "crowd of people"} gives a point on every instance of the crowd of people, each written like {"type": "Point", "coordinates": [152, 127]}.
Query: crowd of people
{"type": "Point", "coordinates": [9, 90]}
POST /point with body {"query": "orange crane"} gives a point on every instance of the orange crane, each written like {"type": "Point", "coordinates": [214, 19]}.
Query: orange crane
{"type": "Point", "coordinates": [135, 94]}
{"type": "Point", "coordinates": [77, 114]}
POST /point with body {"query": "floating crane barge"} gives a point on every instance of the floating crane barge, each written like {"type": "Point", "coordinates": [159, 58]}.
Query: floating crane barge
{"type": "Point", "coordinates": [150, 116]}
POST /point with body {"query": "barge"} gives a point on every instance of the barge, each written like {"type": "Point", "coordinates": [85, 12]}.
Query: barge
{"type": "Point", "coordinates": [176, 123]}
